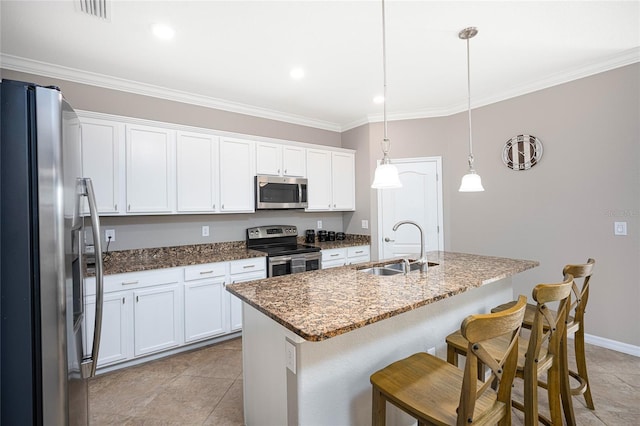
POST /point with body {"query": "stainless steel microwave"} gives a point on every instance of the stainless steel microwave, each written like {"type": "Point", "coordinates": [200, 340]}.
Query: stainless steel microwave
{"type": "Point", "coordinates": [274, 192]}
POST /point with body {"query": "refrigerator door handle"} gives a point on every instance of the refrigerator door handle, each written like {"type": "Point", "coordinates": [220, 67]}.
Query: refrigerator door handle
{"type": "Point", "coordinates": [89, 365]}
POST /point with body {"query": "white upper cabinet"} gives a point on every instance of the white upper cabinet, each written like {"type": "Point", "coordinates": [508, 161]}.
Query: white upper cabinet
{"type": "Point", "coordinates": [142, 167]}
{"type": "Point", "coordinates": [102, 148]}
{"type": "Point", "coordinates": [319, 176]}
{"type": "Point", "coordinates": [280, 160]}
{"type": "Point", "coordinates": [343, 181]}
{"type": "Point", "coordinates": [197, 173]}
{"type": "Point", "coordinates": [237, 172]}
{"type": "Point", "coordinates": [331, 180]}
{"type": "Point", "coordinates": [150, 169]}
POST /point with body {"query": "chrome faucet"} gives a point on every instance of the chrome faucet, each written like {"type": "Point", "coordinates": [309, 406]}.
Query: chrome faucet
{"type": "Point", "coordinates": [423, 259]}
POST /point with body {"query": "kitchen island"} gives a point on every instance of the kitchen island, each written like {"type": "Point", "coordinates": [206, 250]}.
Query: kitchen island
{"type": "Point", "coordinates": [311, 340]}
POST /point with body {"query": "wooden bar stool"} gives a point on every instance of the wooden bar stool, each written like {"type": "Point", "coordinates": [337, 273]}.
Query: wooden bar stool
{"type": "Point", "coordinates": [436, 392]}
{"type": "Point", "coordinates": [538, 353]}
{"type": "Point", "coordinates": [575, 327]}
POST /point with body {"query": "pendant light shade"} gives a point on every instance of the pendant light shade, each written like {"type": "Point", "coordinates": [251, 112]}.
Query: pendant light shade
{"type": "Point", "coordinates": [386, 176]}
{"type": "Point", "coordinates": [471, 182]}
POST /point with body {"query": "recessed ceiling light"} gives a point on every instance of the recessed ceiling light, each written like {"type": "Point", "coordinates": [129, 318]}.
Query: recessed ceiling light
{"type": "Point", "coordinates": [378, 99]}
{"type": "Point", "coordinates": [297, 73]}
{"type": "Point", "coordinates": [163, 32]}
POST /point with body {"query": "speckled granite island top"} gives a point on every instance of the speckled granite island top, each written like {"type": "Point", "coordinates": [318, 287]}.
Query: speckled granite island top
{"type": "Point", "coordinates": [322, 304]}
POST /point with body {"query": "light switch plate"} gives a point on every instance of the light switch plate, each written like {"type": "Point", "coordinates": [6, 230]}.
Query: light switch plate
{"type": "Point", "coordinates": [365, 224]}
{"type": "Point", "coordinates": [620, 228]}
{"type": "Point", "coordinates": [319, 224]}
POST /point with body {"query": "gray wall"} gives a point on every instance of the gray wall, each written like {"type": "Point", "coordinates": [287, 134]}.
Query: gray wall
{"type": "Point", "coordinates": [561, 211]}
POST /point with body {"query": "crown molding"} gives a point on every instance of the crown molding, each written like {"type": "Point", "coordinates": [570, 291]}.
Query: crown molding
{"type": "Point", "coordinates": [622, 59]}
{"type": "Point", "coordinates": [16, 63]}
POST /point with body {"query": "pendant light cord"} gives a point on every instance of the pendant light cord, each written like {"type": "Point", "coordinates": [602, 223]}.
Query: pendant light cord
{"type": "Point", "coordinates": [384, 72]}
{"type": "Point", "coordinates": [469, 106]}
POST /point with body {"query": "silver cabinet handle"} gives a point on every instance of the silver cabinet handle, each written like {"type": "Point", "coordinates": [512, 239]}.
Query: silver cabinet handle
{"type": "Point", "coordinates": [359, 251]}
{"type": "Point", "coordinates": [129, 282]}
{"type": "Point", "coordinates": [222, 207]}
{"type": "Point", "coordinates": [214, 206]}
{"type": "Point", "coordinates": [88, 366]}
{"type": "Point", "coordinates": [116, 206]}
{"type": "Point", "coordinates": [334, 206]}
{"type": "Point", "coordinates": [386, 239]}
{"type": "Point", "coordinates": [278, 171]}
{"type": "Point", "coordinates": [249, 266]}
{"type": "Point", "coordinates": [206, 272]}
{"type": "Point", "coordinates": [334, 255]}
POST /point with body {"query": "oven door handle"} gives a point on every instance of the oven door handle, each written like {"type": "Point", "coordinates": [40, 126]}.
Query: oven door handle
{"type": "Point", "coordinates": [281, 260]}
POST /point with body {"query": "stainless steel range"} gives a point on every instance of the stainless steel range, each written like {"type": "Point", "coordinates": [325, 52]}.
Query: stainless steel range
{"type": "Point", "coordinates": [284, 254]}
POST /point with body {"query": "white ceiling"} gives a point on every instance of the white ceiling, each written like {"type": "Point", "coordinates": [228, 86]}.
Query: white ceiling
{"type": "Point", "coordinates": [237, 55]}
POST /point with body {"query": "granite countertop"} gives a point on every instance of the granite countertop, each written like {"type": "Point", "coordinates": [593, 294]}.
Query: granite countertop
{"type": "Point", "coordinates": [321, 304]}
{"type": "Point", "coordinates": [118, 262]}
{"type": "Point", "coordinates": [123, 261]}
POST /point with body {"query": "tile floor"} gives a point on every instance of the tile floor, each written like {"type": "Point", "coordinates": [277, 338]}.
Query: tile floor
{"type": "Point", "coordinates": [204, 387]}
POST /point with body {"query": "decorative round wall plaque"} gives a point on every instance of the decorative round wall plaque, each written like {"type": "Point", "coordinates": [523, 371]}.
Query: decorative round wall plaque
{"type": "Point", "coordinates": [522, 152]}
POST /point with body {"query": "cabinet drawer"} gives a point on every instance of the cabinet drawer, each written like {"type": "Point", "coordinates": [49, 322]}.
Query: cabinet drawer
{"type": "Point", "coordinates": [247, 265]}
{"type": "Point", "coordinates": [120, 282]}
{"type": "Point", "coordinates": [334, 254]}
{"type": "Point", "coordinates": [358, 251]}
{"type": "Point", "coordinates": [209, 270]}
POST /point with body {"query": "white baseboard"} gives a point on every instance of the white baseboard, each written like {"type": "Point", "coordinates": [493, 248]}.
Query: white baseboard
{"type": "Point", "coordinates": [612, 344]}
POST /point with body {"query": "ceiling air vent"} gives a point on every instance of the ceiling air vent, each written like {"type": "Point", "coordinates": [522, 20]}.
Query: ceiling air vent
{"type": "Point", "coordinates": [98, 8]}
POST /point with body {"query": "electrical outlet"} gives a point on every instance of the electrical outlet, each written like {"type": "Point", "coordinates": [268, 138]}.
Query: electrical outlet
{"type": "Point", "coordinates": [205, 231]}
{"type": "Point", "coordinates": [110, 235]}
{"type": "Point", "coordinates": [365, 224]}
{"type": "Point", "coordinates": [290, 356]}
{"type": "Point", "coordinates": [620, 228]}
{"type": "Point", "coordinates": [319, 224]}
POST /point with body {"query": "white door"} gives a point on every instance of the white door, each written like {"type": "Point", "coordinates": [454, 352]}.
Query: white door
{"type": "Point", "coordinates": [419, 200]}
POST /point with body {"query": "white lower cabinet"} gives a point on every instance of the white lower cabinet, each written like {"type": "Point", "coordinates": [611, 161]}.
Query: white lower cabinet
{"type": "Point", "coordinates": [153, 311]}
{"type": "Point", "coordinates": [333, 258]}
{"type": "Point", "coordinates": [204, 296]}
{"type": "Point", "coordinates": [116, 343]}
{"type": "Point", "coordinates": [242, 271]}
{"type": "Point", "coordinates": [156, 318]}
{"type": "Point", "coordinates": [358, 254]}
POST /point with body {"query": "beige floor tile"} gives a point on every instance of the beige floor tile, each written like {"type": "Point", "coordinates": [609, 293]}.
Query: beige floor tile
{"type": "Point", "coordinates": [204, 387]}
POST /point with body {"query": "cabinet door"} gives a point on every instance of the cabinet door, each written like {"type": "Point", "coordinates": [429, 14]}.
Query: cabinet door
{"type": "Point", "coordinates": [268, 159]}
{"type": "Point", "coordinates": [238, 274]}
{"type": "Point", "coordinates": [102, 144]}
{"type": "Point", "coordinates": [334, 258]}
{"type": "Point", "coordinates": [294, 161]}
{"type": "Point", "coordinates": [156, 319]}
{"type": "Point", "coordinates": [359, 254]}
{"type": "Point", "coordinates": [343, 181]}
{"type": "Point", "coordinates": [150, 171]}
{"type": "Point", "coordinates": [319, 177]}
{"type": "Point", "coordinates": [197, 172]}
{"type": "Point", "coordinates": [237, 171]}
{"type": "Point", "coordinates": [117, 327]}
{"type": "Point", "coordinates": [203, 309]}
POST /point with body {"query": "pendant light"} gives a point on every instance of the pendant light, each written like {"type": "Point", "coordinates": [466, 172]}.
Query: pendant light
{"type": "Point", "coordinates": [471, 182]}
{"type": "Point", "coordinates": [386, 175]}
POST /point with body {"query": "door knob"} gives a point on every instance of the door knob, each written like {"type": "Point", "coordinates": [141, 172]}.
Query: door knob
{"type": "Point", "coordinates": [387, 240]}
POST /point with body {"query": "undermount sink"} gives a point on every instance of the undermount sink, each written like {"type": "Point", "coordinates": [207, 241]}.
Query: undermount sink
{"type": "Point", "coordinates": [379, 270]}
{"type": "Point", "coordinates": [394, 268]}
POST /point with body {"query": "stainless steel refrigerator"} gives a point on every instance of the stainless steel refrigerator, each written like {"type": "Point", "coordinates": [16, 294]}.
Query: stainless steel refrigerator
{"type": "Point", "coordinates": [42, 368]}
